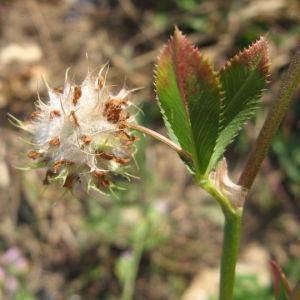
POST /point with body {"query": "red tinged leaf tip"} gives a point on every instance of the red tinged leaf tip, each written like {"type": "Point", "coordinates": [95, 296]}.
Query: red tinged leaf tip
{"type": "Point", "coordinates": [255, 56]}
{"type": "Point", "coordinates": [189, 66]}
{"type": "Point", "coordinates": [192, 67]}
{"type": "Point", "coordinates": [278, 276]}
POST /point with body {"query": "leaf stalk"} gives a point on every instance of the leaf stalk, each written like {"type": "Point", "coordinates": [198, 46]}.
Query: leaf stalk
{"type": "Point", "coordinates": [160, 138]}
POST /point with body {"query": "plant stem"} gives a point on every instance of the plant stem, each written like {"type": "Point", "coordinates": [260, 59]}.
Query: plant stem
{"type": "Point", "coordinates": [231, 240]}
{"type": "Point", "coordinates": [138, 248]}
{"type": "Point", "coordinates": [272, 123]}
{"type": "Point", "coordinates": [160, 138]}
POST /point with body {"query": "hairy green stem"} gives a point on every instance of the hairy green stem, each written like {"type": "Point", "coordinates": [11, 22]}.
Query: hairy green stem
{"type": "Point", "coordinates": [272, 123]}
{"type": "Point", "coordinates": [160, 138]}
{"type": "Point", "coordinates": [138, 248]}
{"type": "Point", "coordinates": [231, 240]}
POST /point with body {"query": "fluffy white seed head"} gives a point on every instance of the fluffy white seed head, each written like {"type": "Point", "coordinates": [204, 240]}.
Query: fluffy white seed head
{"type": "Point", "coordinates": [80, 133]}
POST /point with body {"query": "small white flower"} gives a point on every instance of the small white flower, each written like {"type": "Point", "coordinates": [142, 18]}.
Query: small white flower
{"type": "Point", "coordinates": [80, 134]}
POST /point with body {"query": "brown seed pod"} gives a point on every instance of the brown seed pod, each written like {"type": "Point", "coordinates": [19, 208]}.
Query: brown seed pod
{"type": "Point", "coordinates": [35, 115]}
{"type": "Point", "coordinates": [101, 178]}
{"type": "Point", "coordinates": [58, 90]}
{"type": "Point", "coordinates": [59, 163]}
{"type": "Point", "coordinates": [49, 174]}
{"type": "Point", "coordinates": [54, 113]}
{"type": "Point", "coordinates": [77, 94]}
{"type": "Point", "coordinates": [86, 139]}
{"type": "Point", "coordinates": [118, 102]}
{"type": "Point", "coordinates": [102, 154]}
{"type": "Point", "coordinates": [70, 180]}
{"type": "Point", "coordinates": [54, 141]}
{"type": "Point", "coordinates": [121, 160]}
{"type": "Point", "coordinates": [106, 156]}
{"type": "Point", "coordinates": [75, 118]}
{"type": "Point", "coordinates": [126, 139]}
{"type": "Point", "coordinates": [113, 110]}
{"type": "Point", "coordinates": [100, 82]}
{"type": "Point", "coordinates": [34, 154]}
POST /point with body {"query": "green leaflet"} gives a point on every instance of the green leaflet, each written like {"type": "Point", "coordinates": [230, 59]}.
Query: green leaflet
{"type": "Point", "coordinates": [188, 94]}
{"type": "Point", "coordinates": [170, 101]}
{"type": "Point", "coordinates": [203, 110]}
{"type": "Point", "coordinates": [243, 80]}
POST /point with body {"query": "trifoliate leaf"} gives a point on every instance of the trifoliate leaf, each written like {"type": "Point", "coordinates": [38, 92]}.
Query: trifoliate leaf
{"type": "Point", "coordinates": [204, 110]}
{"type": "Point", "coordinates": [188, 92]}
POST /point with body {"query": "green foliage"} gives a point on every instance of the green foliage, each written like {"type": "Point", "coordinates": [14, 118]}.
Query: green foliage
{"type": "Point", "coordinates": [292, 269]}
{"type": "Point", "coordinates": [203, 109]}
{"type": "Point", "coordinates": [187, 4]}
{"type": "Point", "coordinates": [124, 265]}
{"type": "Point", "coordinates": [248, 287]}
{"type": "Point", "coordinates": [131, 225]}
{"type": "Point", "coordinates": [122, 223]}
{"type": "Point", "coordinates": [24, 294]}
{"type": "Point", "coordinates": [288, 155]}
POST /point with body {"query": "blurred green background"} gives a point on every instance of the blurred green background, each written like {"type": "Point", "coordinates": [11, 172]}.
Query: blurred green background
{"type": "Point", "coordinates": [57, 245]}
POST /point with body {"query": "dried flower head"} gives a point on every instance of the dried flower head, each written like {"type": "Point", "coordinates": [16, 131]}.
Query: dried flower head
{"type": "Point", "coordinates": [80, 134]}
